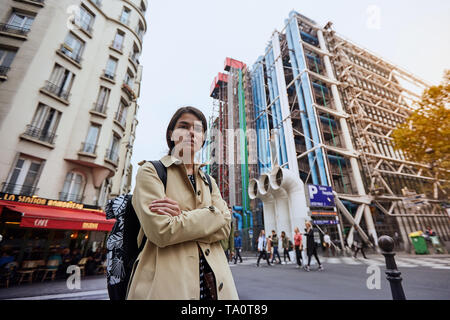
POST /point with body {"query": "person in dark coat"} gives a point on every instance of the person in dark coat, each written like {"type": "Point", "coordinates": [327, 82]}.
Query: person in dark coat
{"type": "Point", "coordinates": [359, 245]}
{"type": "Point", "coordinates": [311, 246]}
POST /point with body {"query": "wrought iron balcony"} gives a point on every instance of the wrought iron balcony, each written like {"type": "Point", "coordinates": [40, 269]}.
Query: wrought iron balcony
{"type": "Point", "coordinates": [65, 49]}
{"type": "Point", "coordinates": [20, 189]}
{"type": "Point", "coordinates": [70, 197]}
{"type": "Point", "coordinates": [40, 134]}
{"type": "Point", "coordinates": [56, 90]}
{"type": "Point", "coordinates": [88, 147]}
{"type": "Point", "coordinates": [109, 75]}
{"type": "Point", "coordinates": [10, 28]}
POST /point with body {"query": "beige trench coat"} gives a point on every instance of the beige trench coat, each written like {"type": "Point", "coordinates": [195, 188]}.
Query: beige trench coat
{"type": "Point", "coordinates": [168, 266]}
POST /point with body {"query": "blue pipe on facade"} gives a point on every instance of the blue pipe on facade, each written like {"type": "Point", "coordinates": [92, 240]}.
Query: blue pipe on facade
{"type": "Point", "coordinates": [309, 37]}
{"type": "Point", "coordinates": [320, 87]}
{"type": "Point", "coordinates": [327, 120]}
{"type": "Point", "coordinates": [301, 103]}
{"type": "Point", "coordinates": [260, 105]}
{"type": "Point", "coordinates": [306, 86]}
{"type": "Point", "coordinates": [276, 108]}
{"type": "Point", "coordinates": [336, 158]}
{"type": "Point", "coordinates": [239, 219]}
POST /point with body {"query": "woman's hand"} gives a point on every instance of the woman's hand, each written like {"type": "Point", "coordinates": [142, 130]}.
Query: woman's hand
{"type": "Point", "coordinates": [165, 206]}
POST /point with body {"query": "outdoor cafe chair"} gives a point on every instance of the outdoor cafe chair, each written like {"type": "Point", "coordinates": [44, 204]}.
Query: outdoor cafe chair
{"type": "Point", "coordinates": [51, 269]}
{"type": "Point", "coordinates": [28, 268]}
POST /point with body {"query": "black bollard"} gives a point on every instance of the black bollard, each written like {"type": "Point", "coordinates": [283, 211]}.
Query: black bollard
{"type": "Point", "coordinates": [386, 244]}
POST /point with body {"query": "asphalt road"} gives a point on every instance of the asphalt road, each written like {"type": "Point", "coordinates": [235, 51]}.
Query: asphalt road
{"type": "Point", "coordinates": [341, 280]}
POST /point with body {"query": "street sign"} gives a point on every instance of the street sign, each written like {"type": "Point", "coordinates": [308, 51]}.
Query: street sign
{"type": "Point", "coordinates": [320, 196]}
{"type": "Point", "coordinates": [320, 222]}
{"type": "Point", "coordinates": [323, 213]}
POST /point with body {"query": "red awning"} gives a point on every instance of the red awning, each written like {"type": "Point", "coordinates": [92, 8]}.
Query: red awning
{"type": "Point", "coordinates": [34, 216]}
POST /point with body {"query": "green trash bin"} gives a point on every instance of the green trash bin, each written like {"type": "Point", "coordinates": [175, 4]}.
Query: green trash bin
{"type": "Point", "coordinates": [419, 243]}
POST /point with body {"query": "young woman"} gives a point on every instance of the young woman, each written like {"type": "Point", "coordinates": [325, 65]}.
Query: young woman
{"type": "Point", "coordinates": [262, 246]}
{"type": "Point", "coordinates": [311, 246]}
{"type": "Point", "coordinates": [298, 244]}
{"type": "Point", "coordinates": [285, 244]}
{"type": "Point", "coordinates": [184, 223]}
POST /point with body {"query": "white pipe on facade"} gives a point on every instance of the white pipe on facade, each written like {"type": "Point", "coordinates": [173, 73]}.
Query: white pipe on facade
{"type": "Point", "coordinates": [283, 195]}
{"type": "Point", "coordinates": [255, 191]}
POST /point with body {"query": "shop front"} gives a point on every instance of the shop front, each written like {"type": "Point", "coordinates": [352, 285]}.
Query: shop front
{"type": "Point", "coordinates": [33, 228]}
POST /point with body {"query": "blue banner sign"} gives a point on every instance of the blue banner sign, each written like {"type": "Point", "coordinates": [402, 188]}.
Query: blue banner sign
{"type": "Point", "coordinates": [320, 196]}
{"type": "Point", "coordinates": [320, 222]}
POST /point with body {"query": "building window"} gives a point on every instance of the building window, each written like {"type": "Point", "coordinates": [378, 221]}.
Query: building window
{"type": "Point", "coordinates": [73, 188]}
{"type": "Point", "coordinates": [60, 82]}
{"type": "Point", "coordinates": [140, 30]}
{"type": "Point", "coordinates": [112, 153]}
{"type": "Point", "coordinates": [44, 124]}
{"type": "Point", "coordinates": [6, 58]}
{"type": "Point", "coordinates": [102, 100]}
{"type": "Point", "coordinates": [134, 56]}
{"type": "Point", "coordinates": [121, 114]}
{"type": "Point", "coordinates": [85, 20]}
{"type": "Point", "coordinates": [129, 79]}
{"type": "Point", "coordinates": [73, 47]}
{"type": "Point", "coordinates": [111, 66]}
{"type": "Point", "coordinates": [125, 16]}
{"type": "Point", "coordinates": [118, 41]}
{"type": "Point", "coordinates": [24, 177]}
{"type": "Point", "coordinates": [90, 145]}
{"type": "Point", "coordinates": [18, 23]}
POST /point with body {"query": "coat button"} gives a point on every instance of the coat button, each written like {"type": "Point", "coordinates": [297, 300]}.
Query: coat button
{"type": "Point", "coordinates": [211, 208]}
{"type": "Point", "coordinates": [199, 192]}
{"type": "Point", "coordinates": [207, 252]}
{"type": "Point", "coordinates": [220, 286]}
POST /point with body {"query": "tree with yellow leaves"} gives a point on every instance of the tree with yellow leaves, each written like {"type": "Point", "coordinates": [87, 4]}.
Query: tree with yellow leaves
{"type": "Point", "coordinates": [425, 136]}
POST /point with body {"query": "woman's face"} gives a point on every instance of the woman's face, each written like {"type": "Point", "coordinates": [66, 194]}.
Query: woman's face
{"type": "Point", "coordinates": [188, 134]}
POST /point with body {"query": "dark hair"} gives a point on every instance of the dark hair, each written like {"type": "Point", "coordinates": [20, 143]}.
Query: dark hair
{"type": "Point", "coordinates": [177, 115]}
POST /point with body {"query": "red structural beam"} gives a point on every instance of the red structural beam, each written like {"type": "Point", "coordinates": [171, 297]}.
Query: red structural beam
{"type": "Point", "coordinates": [219, 80]}
{"type": "Point", "coordinates": [232, 63]}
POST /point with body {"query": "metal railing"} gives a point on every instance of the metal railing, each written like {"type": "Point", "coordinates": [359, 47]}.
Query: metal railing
{"type": "Point", "coordinates": [70, 54]}
{"type": "Point", "coordinates": [70, 197]}
{"type": "Point", "coordinates": [88, 147]}
{"type": "Point", "coordinates": [25, 190]}
{"type": "Point", "coordinates": [56, 90]}
{"type": "Point", "coordinates": [109, 75]}
{"type": "Point", "coordinates": [40, 134]}
{"type": "Point", "coordinates": [112, 155]}
{"type": "Point", "coordinates": [4, 70]}
{"type": "Point", "coordinates": [5, 27]}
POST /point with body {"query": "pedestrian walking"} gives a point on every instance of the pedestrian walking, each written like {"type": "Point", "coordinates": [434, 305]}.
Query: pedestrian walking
{"type": "Point", "coordinates": [327, 244]}
{"type": "Point", "coordinates": [183, 222]}
{"type": "Point", "coordinates": [311, 249]}
{"type": "Point", "coordinates": [262, 247]}
{"type": "Point", "coordinates": [237, 247]}
{"type": "Point", "coordinates": [298, 245]}
{"type": "Point", "coordinates": [358, 243]}
{"type": "Point", "coordinates": [275, 247]}
{"type": "Point", "coordinates": [285, 245]}
{"type": "Point", "coordinates": [270, 247]}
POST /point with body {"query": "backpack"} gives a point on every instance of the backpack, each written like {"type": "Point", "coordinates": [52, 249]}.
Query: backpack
{"type": "Point", "coordinates": [121, 245]}
{"type": "Point", "coordinates": [290, 246]}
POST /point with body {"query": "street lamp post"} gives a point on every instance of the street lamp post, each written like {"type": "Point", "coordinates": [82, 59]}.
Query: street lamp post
{"type": "Point", "coordinates": [386, 244]}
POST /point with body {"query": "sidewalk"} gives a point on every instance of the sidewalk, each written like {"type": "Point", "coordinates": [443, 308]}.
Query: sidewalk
{"type": "Point", "coordinates": [87, 283]}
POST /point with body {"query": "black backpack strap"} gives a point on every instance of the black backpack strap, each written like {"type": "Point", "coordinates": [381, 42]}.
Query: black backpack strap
{"type": "Point", "coordinates": [161, 170]}
{"type": "Point", "coordinates": [209, 182]}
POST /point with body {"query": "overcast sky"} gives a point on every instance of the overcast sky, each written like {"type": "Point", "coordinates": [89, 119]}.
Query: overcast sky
{"type": "Point", "coordinates": [187, 42]}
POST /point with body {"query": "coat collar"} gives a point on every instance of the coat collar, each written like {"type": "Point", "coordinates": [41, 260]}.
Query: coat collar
{"type": "Point", "coordinates": [169, 160]}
